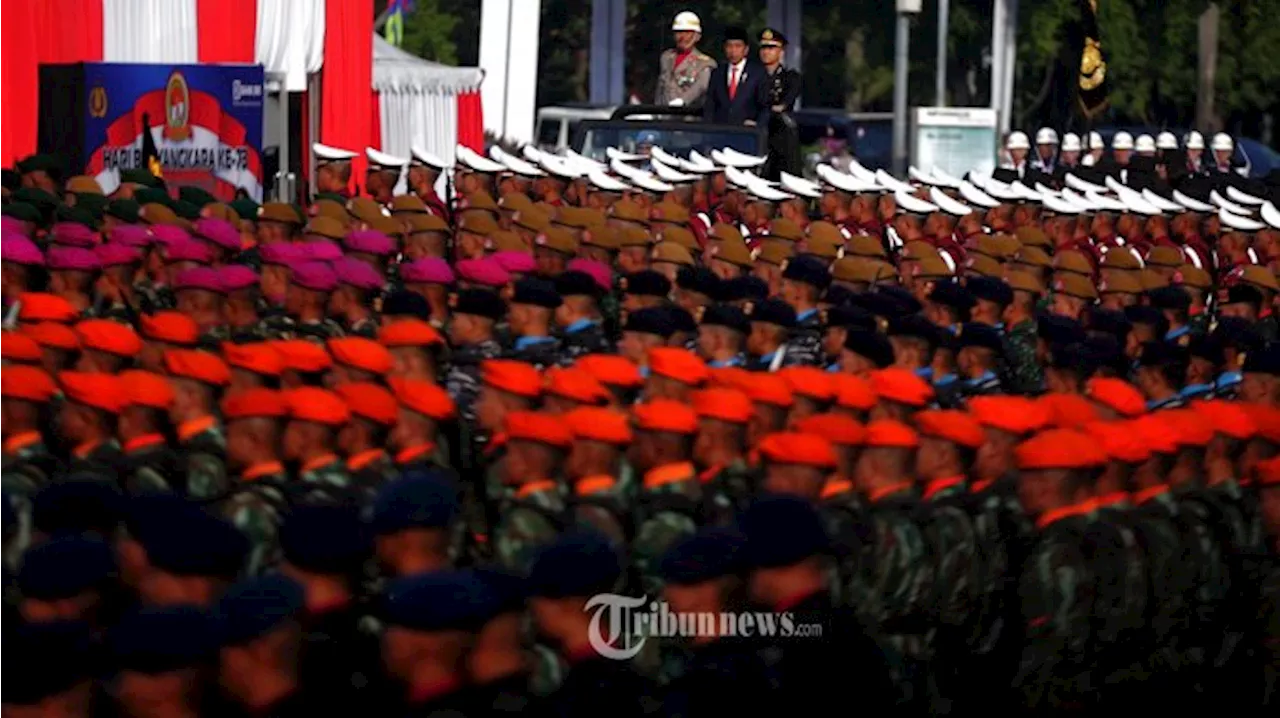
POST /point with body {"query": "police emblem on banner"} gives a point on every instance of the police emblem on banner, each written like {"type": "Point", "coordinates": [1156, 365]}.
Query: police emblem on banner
{"type": "Point", "coordinates": [98, 102]}
{"type": "Point", "coordinates": [177, 107]}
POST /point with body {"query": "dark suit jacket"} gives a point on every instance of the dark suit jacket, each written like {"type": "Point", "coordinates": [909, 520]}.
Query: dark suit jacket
{"type": "Point", "coordinates": [750, 102]}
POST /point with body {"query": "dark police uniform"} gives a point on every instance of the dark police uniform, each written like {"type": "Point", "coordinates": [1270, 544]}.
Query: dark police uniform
{"type": "Point", "coordinates": [783, 89]}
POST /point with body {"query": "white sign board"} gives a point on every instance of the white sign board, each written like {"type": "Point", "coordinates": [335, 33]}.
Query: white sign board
{"type": "Point", "coordinates": [955, 139]}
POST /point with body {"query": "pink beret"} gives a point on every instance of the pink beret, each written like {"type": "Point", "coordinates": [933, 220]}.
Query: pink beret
{"type": "Point", "coordinates": [166, 234]}
{"type": "Point", "coordinates": [206, 278]}
{"type": "Point", "coordinates": [219, 231]}
{"type": "Point", "coordinates": [13, 224]}
{"type": "Point", "coordinates": [114, 255]}
{"type": "Point", "coordinates": [515, 261]}
{"type": "Point", "coordinates": [78, 258]}
{"type": "Point", "coordinates": [485, 272]}
{"type": "Point", "coordinates": [356, 273]}
{"type": "Point", "coordinates": [369, 241]}
{"type": "Point", "coordinates": [282, 254]}
{"type": "Point", "coordinates": [188, 250]}
{"type": "Point", "coordinates": [431, 270]}
{"type": "Point", "coordinates": [234, 277]}
{"type": "Point", "coordinates": [16, 248]}
{"type": "Point", "coordinates": [320, 250]}
{"type": "Point", "coordinates": [132, 235]}
{"type": "Point", "coordinates": [596, 269]}
{"type": "Point", "coordinates": [74, 234]}
{"type": "Point", "coordinates": [316, 276]}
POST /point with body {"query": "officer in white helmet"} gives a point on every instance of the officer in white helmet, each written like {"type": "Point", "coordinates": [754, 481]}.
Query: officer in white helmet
{"type": "Point", "coordinates": [1145, 146]}
{"type": "Point", "coordinates": [1122, 149]}
{"type": "Point", "coordinates": [333, 170]}
{"type": "Point", "coordinates": [1069, 153]}
{"type": "Point", "coordinates": [1166, 141]}
{"type": "Point", "coordinates": [684, 72]}
{"type": "Point", "coordinates": [1046, 158]}
{"type": "Point", "coordinates": [1017, 146]}
{"type": "Point", "coordinates": [1096, 149]}
{"type": "Point", "coordinates": [1194, 143]}
{"type": "Point", "coordinates": [1223, 148]}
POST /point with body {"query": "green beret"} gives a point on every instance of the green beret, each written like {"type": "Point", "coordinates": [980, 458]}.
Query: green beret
{"type": "Point", "coordinates": [77, 214]}
{"type": "Point", "coordinates": [125, 210]}
{"type": "Point", "coordinates": [41, 163]}
{"type": "Point", "coordinates": [10, 179]}
{"type": "Point", "coordinates": [94, 204]}
{"type": "Point", "coordinates": [185, 210]}
{"type": "Point", "coordinates": [151, 195]}
{"type": "Point", "coordinates": [137, 175]}
{"type": "Point", "coordinates": [37, 197]}
{"type": "Point", "coordinates": [196, 196]}
{"type": "Point", "coordinates": [21, 211]}
{"type": "Point", "coordinates": [246, 208]}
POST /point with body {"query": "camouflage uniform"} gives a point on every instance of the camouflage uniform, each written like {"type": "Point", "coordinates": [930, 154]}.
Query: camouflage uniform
{"type": "Point", "coordinates": [1172, 580]}
{"type": "Point", "coordinates": [106, 458]}
{"type": "Point", "coordinates": [726, 490]}
{"type": "Point", "coordinates": [588, 338]}
{"type": "Point", "coordinates": [543, 352]}
{"type": "Point", "coordinates": [206, 469]}
{"type": "Point", "coordinates": [281, 326]}
{"type": "Point", "coordinates": [256, 507]}
{"type": "Point", "coordinates": [1121, 639]}
{"type": "Point", "coordinates": [367, 328]}
{"type": "Point", "coordinates": [152, 299]}
{"type": "Point", "coordinates": [367, 474]}
{"type": "Point", "coordinates": [804, 346]}
{"type": "Point", "coordinates": [462, 379]}
{"type": "Point", "coordinates": [1026, 376]}
{"type": "Point", "coordinates": [665, 513]}
{"type": "Point", "coordinates": [151, 468]}
{"type": "Point", "coordinates": [28, 467]}
{"type": "Point", "coordinates": [529, 521]}
{"type": "Point", "coordinates": [329, 482]}
{"type": "Point", "coordinates": [598, 503]}
{"type": "Point", "coordinates": [985, 385]}
{"type": "Point", "coordinates": [848, 526]}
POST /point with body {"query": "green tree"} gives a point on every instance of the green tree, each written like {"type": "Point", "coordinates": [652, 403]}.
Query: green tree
{"type": "Point", "coordinates": [428, 32]}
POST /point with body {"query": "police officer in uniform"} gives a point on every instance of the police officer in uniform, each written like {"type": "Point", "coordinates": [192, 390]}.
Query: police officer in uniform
{"type": "Point", "coordinates": [783, 88]}
{"type": "Point", "coordinates": [684, 72]}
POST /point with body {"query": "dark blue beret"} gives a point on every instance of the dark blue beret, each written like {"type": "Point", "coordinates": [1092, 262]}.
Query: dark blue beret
{"type": "Point", "coordinates": [403, 303]}
{"type": "Point", "coordinates": [711, 553]}
{"type": "Point", "coordinates": [577, 283]}
{"type": "Point", "coordinates": [872, 345]}
{"type": "Point", "coordinates": [915, 325]}
{"type": "Point", "coordinates": [325, 539]}
{"type": "Point", "coordinates": [985, 336]}
{"type": "Point", "coordinates": [435, 601]}
{"type": "Point", "coordinates": [952, 295]}
{"type": "Point", "coordinates": [681, 319]}
{"type": "Point", "coordinates": [726, 315]}
{"type": "Point", "coordinates": [537, 292]}
{"type": "Point", "coordinates": [1057, 329]}
{"type": "Point", "coordinates": [480, 303]}
{"type": "Point", "coordinates": [851, 317]}
{"type": "Point", "coordinates": [1243, 294]}
{"type": "Point", "coordinates": [159, 640]}
{"type": "Point", "coordinates": [1149, 316]}
{"type": "Point", "coordinates": [700, 280]}
{"type": "Point", "coordinates": [1172, 297]}
{"type": "Point", "coordinates": [65, 566]}
{"type": "Point", "coordinates": [257, 606]}
{"type": "Point", "coordinates": [1161, 353]}
{"type": "Point", "coordinates": [646, 283]}
{"type": "Point", "coordinates": [809, 270]}
{"type": "Point", "coordinates": [774, 311]}
{"type": "Point", "coordinates": [838, 295]}
{"type": "Point", "coordinates": [1207, 347]}
{"type": "Point", "coordinates": [781, 531]}
{"type": "Point", "coordinates": [1079, 358]}
{"type": "Point", "coordinates": [990, 289]}
{"type": "Point", "coordinates": [903, 300]}
{"type": "Point", "coordinates": [580, 563]}
{"type": "Point", "coordinates": [421, 499]}
{"type": "Point", "coordinates": [650, 320]}
{"type": "Point", "coordinates": [180, 537]}
{"type": "Point", "coordinates": [1107, 350]}
{"type": "Point", "coordinates": [77, 504]}
{"type": "Point", "coordinates": [507, 589]}
{"type": "Point", "coordinates": [1109, 321]}
{"type": "Point", "coordinates": [1238, 333]}
{"type": "Point", "coordinates": [1265, 361]}
{"type": "Point", "coordinates": [744, 287]}
{"type": "Point", "coordinates": [52, 657]}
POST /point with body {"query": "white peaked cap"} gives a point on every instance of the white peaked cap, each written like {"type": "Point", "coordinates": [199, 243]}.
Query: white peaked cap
{"type": "Point", "coordinates": [1081, 185]}
{"type": "Point", "coordinates": [763, 191]}
{"type": "Point", "coordinates": [943, 179]}
{"type": "Point", "coordinates": [891, 183]}
{"type": "Point", "coordinates": [1243, 197]}
{"type": "Point", "coordinates": [532, 153]}
{"type": "Point", "coordinates": [666, 174]}
{"type": "Point", "coordinates": [333, 154]}
{"type": "Point", "coordinates": [697, 163]}
{"type": "Point", "coordinates": [1024, 192]}
{"type": "Point", "coordinates": [604, 182]}
{"type": "Point", "coordinates": [560, 167]}
{"type": "Point", "coordinates": [1071, 142]}
{"type": "Point", "coordinates": [663, 156]}
{"type": "Point", "coordinates": [799, 185]}
{"type": "Point", "coordinates": [736, 177]}
{"type": "Point", "coordinates": [1079, 200]}
{"type": "Point", "coordinates": [1138, 205]}
{"type": "Point", "coordinates": [1161, 202]}
{"type": "Point", "coordinates": [1166, 141]}
{"type": "Point", "coordinates": [947, 204]}
{"type": "Point", "coordinates": [614, 153]}
{"type": "Point", "coordinates": [918, 176]}
{"type": "Point", "coordinates": [1043, 190]}
{"type": "Point", "coordinates": [520, 167]}
{"type": "Point", "coordinates": [978, 179]}
{"type": "Point", "coordinates": [423, 157]}
{"type": "Point", "coordinates": [698, 158]}
{"type": "Point", "coordinates": [1060, 205]}
{"type": "Point", "coordinates": [1191, 203]}
{"type": "Point", "coordinates": [1194, 140]}
{"type": "Point", "coordinates": [382, 159]}
{"type": "Point", "coordinates": [648, 182]}
{"type": "Point", "coordinates": [973, 195]}
{"type": "Point", "coordinates": [1269, 214]}
{"type": "Point", "coordinates": [844, 182]}
{"type": "Point", "coordinates": [744, 160]}
{"type": "Point", "coordinates": [1227, 204]}
{"type": "Point", "coordinates": [1001, 191]}
{"type": "Point", "coordinates": [583, 163]}
{"type": "Point", "coordinates": [1106, 203]}
{"type": "Point", "coordinates": [496, 153]}
{"type": "Point", "coordinates": [1235, 221]}
{"type": "Point", "coordinates": [1116, 185]}
{"type": "Point", "coordinates": [909, 203]}
{"type": "Point", "coordinates": [1222, 141]}
{"type": "Point", "coordinates": [472, 160]}
{"type": "Point", "coordinates": [622, 169]}
{"type": "Point", "coordinates": [857, 170]}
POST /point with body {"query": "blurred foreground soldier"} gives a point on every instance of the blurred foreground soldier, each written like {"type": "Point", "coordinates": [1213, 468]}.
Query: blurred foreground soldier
{"type": "Point", "coordinates": [498, 668]}
{"type": "Point", "coordinates": [685, 71]}
{"type": "Point", "coordinates": [783, 86]}
{"type": "Point", "coordinates": [413, 522]}
{"type": "Point", "coordinates": [668, 507]}
{"type": "Point", "coordinates": [162, 658]}
{"type": "Point", "coordinates": [55, 675]}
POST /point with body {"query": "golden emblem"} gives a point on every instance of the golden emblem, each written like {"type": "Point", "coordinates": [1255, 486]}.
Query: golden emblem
{"type": "Point", "coordinates": [177, 107]}
{"type": "Point", "coordinates": [1093, 70]}
{"type": "Point", "coordinates": [98, 102]}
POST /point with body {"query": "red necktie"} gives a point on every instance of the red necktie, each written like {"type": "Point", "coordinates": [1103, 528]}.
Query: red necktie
{"type": "Point", "coordinates": [733, 81]}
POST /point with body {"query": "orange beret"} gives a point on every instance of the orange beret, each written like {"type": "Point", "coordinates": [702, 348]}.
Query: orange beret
{"type": "Point", "coordinates": [198, 365]}
{"type": "Point", "coordinates": [611, 370]}
{"type": "Point", "coordinates": [853, 392]}
{"type": "Point", "coordinates": [1227, 418]}
{"type": "Point", "coordinates": [1059, 449]}
{"type": "Point", "coordinates": [409, 333]}
{"type": "Point", "coordinates": [511, 376]}
{"type": "Point", "coordinates": [254, 404]}
{"type": "Point", "coordinates": [145, 388]}
{"type": "Point", "coordinates": [576, 384]}
{"type": "Point", "coordinates": [954, 426]}
{"type": "Point", "coordinates": [1068, 411]}
{"type": "Point", "coordinates": [723, 404]}
{"type": "Point", "coordinates": [734, 376]}
{"type": "Point", "coordinates": [1268, 472]}
{"type": "Point", "coordinates": [44, 307]}
{"type": "Point", "coordinates": [1118, 394]}
{"type": "Point", "coordinates": [839, 429]}
{"type": "Point", "coordinates": [1267, 420]}
{"type": "Point", "coordinates": [423, 397]}
{"type": "Point", "coordinates": [302, 355]}
{"type": "Point", "coordinates": [1014, 414]}
{"type": "Point", "coordinates": [1187, 427]}
{"type": "Point", "coordinates": [20, 348]}
{"type": "Point", "coordinates": [795, 448]}
{"type": "Point", "coordinates": [1153, 432]}
{"type": "Point", "coordinates": [96, 389]}
{"type": "Point", "coordinates": [1119, 441]}
{"type": "Point", "coordinates": [537, 426]}
{"type": "Point", "coordinates": [665, 415]}
{"type": "Point", "coordinates": [172, 327]}
{"type": "Point", "coordinates": [321, 406]}
{"type": "Point", "coordinates": [360, 353]}
{"type": "Point", "coordinates": [257, 357]}
{"type": "Point", "coordinates": [680, 364]}
{"type": "Point", "coordinates": [891, 434]}
{"type": "Point", "coordinates": [53, 335]}
{"type": "Point", "coordinates": [28, 383]}
{"type": "Point", "coordinates": [810, 381]}
{"type": "Point", "coordinates": [902, 386]}
{"type": "Point", "coordinates": [770, 389]}
{"type": "Point", "coordinates": [369, 401]}
{"type": "Point", "coordinates": [107, 336]}
{"type": "Point", "coordinates": [594, 423]}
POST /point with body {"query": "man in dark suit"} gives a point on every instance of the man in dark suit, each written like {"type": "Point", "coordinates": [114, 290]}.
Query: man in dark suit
{"type": "Point", "coordinates": [738, 94]}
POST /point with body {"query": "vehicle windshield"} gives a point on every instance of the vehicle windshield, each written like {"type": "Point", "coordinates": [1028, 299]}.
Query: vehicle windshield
{"type": "Point", "coordinates": [679, 141]}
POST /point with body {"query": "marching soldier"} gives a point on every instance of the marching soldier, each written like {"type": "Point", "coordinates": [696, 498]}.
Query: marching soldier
{"type": "Point", "coordinates": [333, 172]}
{"type": "Point", "coordinates": [684, 73]}
{"type": "Point", "coordinates": [783, 87]}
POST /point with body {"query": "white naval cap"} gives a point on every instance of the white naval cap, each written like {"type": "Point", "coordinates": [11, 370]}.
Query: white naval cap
{"type": "Point", "coordinates": [669, 175]}
{"type": "Point", "coordinates": [1166, 141]}
{"type": "Point", "coordinates": [1071, 142]}
{"type": "Point", "coordinates": [1060, 205]}
{"type": "Point", "coordinates": [1017, 141]}
{"type": "Point", "coordinates": [799, 185]}
{"type": "Point", "coordinates": [1243, 197]}
{"type": "Point", "coordinates": [1046, 136]}
{"type": "Point", "coordinates": [1191, 203]}
{"type": "Point", "coordinates": [1122, 141]}
{"type": "Point", "coordinates": [1081, 185]}
{"type": "Point", "coordinates": [1235, 221]}
{"type": "Point", "coordinates": [891, 183]}
{"type": "Point", "coordinates": [1001, 191]}
{"type": "Point", "coordinates": [857, 170]}
{"type": "Point", "coordinates": [1194, 140]}
{"type": "Point", "coordinates": [606, 183]}
{"type": "Point", "coordinates": [649, 183]}
{"type": "Point", "coordinates": [383, 160]}
{"type": "Point", "coordinates": [622, 169]}
{"type": "Point", "coordinates": [1222, 141]}
{"type": "Point", "coordinates": [1136, 204]}
{"type": "Point", "coordinates": [730, 157]}
{"type": "Point", "coordinates": [1164, 204]}
{"type": "Point", "coordinates": [908, 202]}
{"type": "Point", "coordinates": [1270, 214]}
{"type": "Point", "coordinates": [1024, 192]}
{"type": "Point", "coordinates": [942, 179]}
{"type": "Point", "coordinates": [844, 182]}
{"type": "Point", "coordinates": [477, 163]}
{"type": "Point", "coordinates": [423, 157]}
{"type": "Point", "coordinates": [973, 195]}
{"type": "Point", "coordinates": [1227, 204]}
{"type": "Point", "coordinates": [560, 167]}
{"type": "Point", "coordinates": [686, 22]}
{"type": "Point", "coordinates": [1144, 143]}
{"type": "Point", "coordinates": [698, 163]}
{"type": "Point", "coordinates": [764, 192]}
{"type": "Point", "coordinates": [661, 155]}
{"type": "Point", "coordinates": [325, 154]}
{"type": "Point", "coordinates": [1106, 203]}
{"type": "Point", "coordinates": [919, 176]}
{"type": "Point", "coordinates": [1079, 200]}
{"type": "Point", "coordinates": [614, 153]}
{"type": "Point", "coordinates": [520, 167]}
{"type": "Point", "coordinates": [947, 204]}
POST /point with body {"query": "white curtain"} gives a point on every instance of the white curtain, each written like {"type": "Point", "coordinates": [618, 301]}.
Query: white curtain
{"type": "Point", "coordinates": [428, 120]}
{"type": "Point", "coordinates": [160, 31]}
{"type": "Point", "coordinates": [290, 39]}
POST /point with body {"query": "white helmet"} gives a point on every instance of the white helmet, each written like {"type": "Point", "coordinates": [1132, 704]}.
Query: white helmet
{"type": "Point", "coordinates": [1222, 141]}
{"type": "Point", "coordinates": [1071, 142]}
{"type": "Point", "coordinates": [1017, 141]}
{"type": "Point", "coordinates": [1145, 143]}
{"type": "Point", "coordinates": [1046, 136]}
{"type": "Point", "coordinates": [687, 22]}
{"type": "Point", "coordinates": [1166, 141]}
{"type": "Point", "coordinates": [1095, 141]}
{"type": "Point", "coordinates": [1194, 141]}
{"type": "Point", "coordinates": [1122, 141]}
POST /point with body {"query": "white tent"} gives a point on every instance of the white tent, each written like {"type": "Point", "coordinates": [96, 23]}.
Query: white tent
{"type": "Point", "coordinates": [418, 100]}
